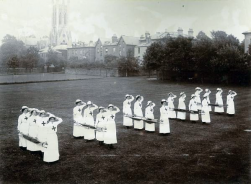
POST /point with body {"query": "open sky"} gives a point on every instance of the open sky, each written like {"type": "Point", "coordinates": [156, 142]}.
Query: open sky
{"type": "Point", "coordinates": [91, 19]}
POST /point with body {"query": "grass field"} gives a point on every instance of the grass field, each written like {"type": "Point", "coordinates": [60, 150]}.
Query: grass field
{"type": "Point", "coordinates": [193, 153]}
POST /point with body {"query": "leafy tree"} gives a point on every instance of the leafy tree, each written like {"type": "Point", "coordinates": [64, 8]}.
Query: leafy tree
{"type": "Point", "coordinates": [128, 63]}
{"type": "Point", "coordinates": [30, 58]}
{"type": "Point", "coordinates": [111, 61]}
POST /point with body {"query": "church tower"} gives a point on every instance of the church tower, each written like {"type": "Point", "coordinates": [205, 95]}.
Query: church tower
{"type": "Point", "coordinates": [60, 35]}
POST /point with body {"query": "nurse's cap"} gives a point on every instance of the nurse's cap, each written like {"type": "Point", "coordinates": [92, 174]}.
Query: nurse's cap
{"type": "Point", "coordinates": [51, 116]}
{"type": "Point", "coordinates": [110, 105]}
{"type": "Point", "coordinates": [101, 108]}
{"type": "Point", "coordinates": [89, 103]}
{"type": "Point", "coordinates": [163, 100]}
{"type": "Point", "coordinates": [42, 111]}
{"type": "Point", "coordinates": [170, 93]}
{"type": "Point", "coordinates": [77, 101]}
{"type": "Point", "coordinates": [24, 107]}
{"type": "Point", "coordinates": [198, 88]}
{"type": "Point", "coordinates": [193, 95]}
{"type": "Point", "coordinates": [148, 103]}
{"type": "Point", "coordinates": [127, 95]}
{"type": "Point", "coordinates": [182, 93]}
{"type": "Point", "coordinates": [218, 89]}
{"type": "Point", "coordinates": [230, 91]}
{"type": "Point", "coordinates": [137, 97]}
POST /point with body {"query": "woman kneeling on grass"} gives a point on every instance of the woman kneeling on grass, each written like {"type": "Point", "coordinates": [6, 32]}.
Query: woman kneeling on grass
{"type": "Point", "coordinates": [110, 136]}
{"type": "Point", "coordinates": [51, 153]}
{"type": "Point", "coordinates": [164, 126]}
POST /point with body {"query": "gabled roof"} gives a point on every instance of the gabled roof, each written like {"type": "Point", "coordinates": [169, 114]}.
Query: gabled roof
{"type": "Point", "coordinates": [246, 32]}
{"type": "Point", "coordinates": [130, 40]}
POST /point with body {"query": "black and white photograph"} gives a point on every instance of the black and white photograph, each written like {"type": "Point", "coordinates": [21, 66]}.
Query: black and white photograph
{"type": "Point", "coordinates": [125, 91]}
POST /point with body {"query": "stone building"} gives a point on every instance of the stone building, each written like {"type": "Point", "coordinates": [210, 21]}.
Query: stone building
{"type": "Point", "coordinates": [60, 34]}
{"type": "Point", "coordinates": [146, 40]}
{"type": "Point", "coordinates": [247, 41]}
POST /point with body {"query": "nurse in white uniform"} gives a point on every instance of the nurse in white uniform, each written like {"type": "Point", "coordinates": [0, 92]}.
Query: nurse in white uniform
{"type": "Point", "coordinates": [128, 122]}
{"type": "Point", "coordinates": [101, 120]}
{"type": "Point", "coordinates": [193, 107]}
{"type": "Point", "coordinates": [89, 120]}
{"type": "Point", "coordinates": [198, 90]}
{"type": "Point", "coordinates": [170, 100]}
{"type": "Point", "coordinates": [164, 126]}
{"type": "Point", "coordinates": [230, 102]}
{"type": "Point", "coordinates": [182, 106]}
{"type": "Point", "coordinates": [207, 94]}
{"type": "Point", "coordinates": [149, 127]}
{"type": "Point", "coordinates": [24, 127]}
{"type": "Point", "coordinates": [205, 116]}
{"type": "Point", "coordinates": [110, 136]}
{"type": "Point", "coordinates": [219, 101]}
{"type": "Point", "coordinates": [42, 129]}
{"type": "Point", "coordinates": [78, 130]}
{"type": "Point", "coordinates": [33, 130]}
{"type": "Point", "coordinates": [138, 124]}
{"type": "Point", "coordinates": [51, 153]}
{"type": "Point", "coordinates": [22, 141]}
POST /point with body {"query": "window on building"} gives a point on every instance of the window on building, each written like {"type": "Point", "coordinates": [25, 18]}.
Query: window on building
{"type": "Point", "coordinates": [114, 49]}
{"type": "Point", "coordinates": [138, 50]}
{"type": "Point", "coordinates": [100, 53]}
{"type": "Point", "coordinates": [123, 49]}
{"type": "Point", "coordinates": [120, 53]}
{"type": "Point", "coordinates": [65, 18]}
{"type": "Point", "coordinates": [98, 50]}
{"type": "Point", "coordinates": [59, 18]}
{"type": "Point", "coordinates": [106, 50]}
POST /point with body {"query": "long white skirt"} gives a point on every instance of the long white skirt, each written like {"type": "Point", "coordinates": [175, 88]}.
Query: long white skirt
{"type": "Point", "coordinates": [150, 127]}
{"type": "Point", "coordinates": [127, 121]}
{"type": "Point", "coordinates": [33, 133]}
{"type": "Point", "coordinates": [219, 109]}
{"type": "Point", "coordinates": [22, 141]}
{"type": "Point", "coordinates": [164, 127]}
{"type": "Point", "coordinates": [42, 137]}
{"type": "Point", "coordinates": [138, 124]}
{"type": "Point", "coordinates": [51, 153]}
{"type": "Point", "coordinates": [24, 130]}
{"type": "Point", "coordinates": [88, 132]}
{"type": "Point", "coordinates": [194, 117]}
{"type": "Point", "coordinates": [205, 117]}
{"type": "Point", "coordinates": [181, 115]}
{"type": "Point", "coordinates": [172, 113]}
{"type": "Point", "coordinates": [110, 136]}
{"type": "Point", "coordinates": [231, 108]}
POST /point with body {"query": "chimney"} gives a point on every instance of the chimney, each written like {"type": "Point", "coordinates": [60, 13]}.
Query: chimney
{"type": "Point", "coordinates": [180, 32]}
{"type": "Point", "coordinates": [148, 38]}
{"type": "Point", "coordinates": [190, 33]}
{"type": "Point", "coordinates": [114, 38]}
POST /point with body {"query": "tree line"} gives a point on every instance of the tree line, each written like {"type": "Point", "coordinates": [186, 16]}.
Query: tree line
{"type": "Point", "coordinates": [201, 58]}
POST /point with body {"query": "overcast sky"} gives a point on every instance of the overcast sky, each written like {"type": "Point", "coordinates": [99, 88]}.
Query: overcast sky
{"type": "Point", "coordinates": [91, 19]}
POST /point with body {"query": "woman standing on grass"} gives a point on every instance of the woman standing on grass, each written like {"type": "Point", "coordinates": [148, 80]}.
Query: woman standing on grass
{"type": "Point", "coordinates": [150, 127]}
{"type": "Point", "coordinates": [138, 124]}
{"type": "Point", "coordinates": [205, 116]}
{"type": "Point", "coordinates": [110, 136]}
{"type": "Point", "coordinates": [230, 102]}
{"type": "Point", "coordinates": [193, 107]}
{"type": "Point", "coordinates": [42, 129]}
{"type": "Point", "coordinates": [219, 101]}
{"type": "Point", "coordinates": [170, 100]}
{"type": "Point", "coordinates": [51, 153]}
{"type": "Point", "coordinates": [207, 93]}
{"type": "Point", "coordinates": [198, 90]}
{"type": "Point", "coordinates": [89, 120]}
{"type": "Point", "coordinates": [33, 130]}
{"type": "Point", "coordinates": [182, 106]}
{"type": "Point", "coordinates": [21, 122]}
{"type": "Point", "coordinates": [78, 130]}
{"type": "Point", "coordinates": [100, 124]}
{"type": "Point", "coordinates": [164, 126]}
{"type": "Point", "coordinates": [127, 111]}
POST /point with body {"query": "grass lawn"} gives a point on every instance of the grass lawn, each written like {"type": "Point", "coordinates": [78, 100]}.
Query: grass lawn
{"type": "Point", "coordinates": [193, 153]}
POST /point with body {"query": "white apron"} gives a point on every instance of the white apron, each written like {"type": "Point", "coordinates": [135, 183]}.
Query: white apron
{"type": "Point", "coordinates": [100, 123]}
{"type": "Point", "coordinates": [182, 105]}
{"type": "Point", "coordinates": [164, 126]}
{"type": "Point", "coordinates": [230, 104]}
{"type": "Point", "coordinates": [219, 101]}
{"type": "Point", "coordinates": [33, 131]}
{"type": "Point", "coordinates": [193, 107]}
{"type": "Point", "coordinates": [149, 114]}
{"type": "Point", "coordinates": [78, 130]}
{"type": "Point", "coordinates": [127, 111]}
{"type": "Point", "coordinates": [24, 129]}
{"type": "Point", "coordinates": [205, 117]}
{"type": "Point", "coordinates": [89, 120]}
{"type": "Point", "coordinates": [110, 136]}
{"type": "Point", "coordinates": [42, 131]}
{"type": "Point", "coordinates": [208, 101]}
{"type": "Point", "coordinates": [172, 113]}
{"type": "Point", "coordinates": [138, 124]}
{"type": "Point", "coordinates": [20, 118]}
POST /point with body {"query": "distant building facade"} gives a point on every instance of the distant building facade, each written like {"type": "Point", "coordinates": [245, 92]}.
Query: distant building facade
{"type": "Point", "coordinates": [247, 41]}
{"type": "Point", "coordinates": [146, 40]}
{"type": "Point", "coordinates": [60, 34]}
